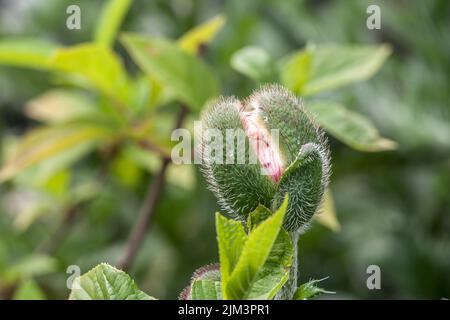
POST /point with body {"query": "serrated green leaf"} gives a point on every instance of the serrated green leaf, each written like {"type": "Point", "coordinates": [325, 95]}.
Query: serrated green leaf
{"type": "Point", "coordinates": [351, 128]}
{"type": "Point", "coordinates": [105, 282]}
{"type": "Point", "coordinates": [190, 80]}
{"type": "Point", "coordinates": [275, 271]}
{"type": "Point", "coordinates": [332, 66]}
{"type": "Point", "coordinates": [206, 290]}
{"type": "Point", "coordinates": [231, 238]}
{"type": "Point", "coordinates": [257, 216]}
{"type": "Point", "coordinates": [30, 53]}
{"type": "Point", "coordinates": [310, 290]}
{"type": "Point", "coordinates": [110, 20]}
{"type": "Point", "coordinates": [96, 66]}
{"type": "Point", "coordinates": [201, 34]}
{"type": "Point", "coordinates": [253, 257]}
{"type": "Point", "coordinates": [255, 63]}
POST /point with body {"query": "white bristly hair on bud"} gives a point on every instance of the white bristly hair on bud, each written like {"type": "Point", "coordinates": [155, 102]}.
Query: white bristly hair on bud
{"type": "Point", "coordinates": [299, 163]}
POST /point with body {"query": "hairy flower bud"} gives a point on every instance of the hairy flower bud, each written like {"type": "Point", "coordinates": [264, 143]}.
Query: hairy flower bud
{"type": "Point", "coordinates": [289, 151]}
{"type": "Point", "coordinates": [208, 272]}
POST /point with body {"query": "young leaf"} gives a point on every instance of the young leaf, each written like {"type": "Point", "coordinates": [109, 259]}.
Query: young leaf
{"type": "Point", "coordinates": [296, 70]}
{"type": "Point", "coordinates": [30, 53]}
{"type": "Point", "coordinates": [110, 20]}
{"type": "Point", "coordinates": [206, 290]}
{"type": "Point", "coordinates": [275, 271]}
{"type": "Point", "coordinates": [351, 128]}
{"type": "Point", "coordinates": [188, 78]}
{"type": "Point", "coordinates": [201, 35]}
{"type": "Point", "coordinates": [253, 257]}
{"type": "Point", "coordinates": [105, 282]}
{"type": "Point", "coordinates": [327, 213]}
{"type": "Point", "coordinates": [44, 143]}
{"type": "Point", "coordinates": [255, 63]}
{"type": "Point", "coordinates": [42, 174]}
{"type": "Point", "coordinates": [257, 216]}
{"type": "Point", "coordinates": [231, 238]}
{"type": "Point", "coordinates": [98, 66]}
{"type": "Point", "coordinates": [310, 290]}
{"type": "Point", "coordinates": [332, 66]}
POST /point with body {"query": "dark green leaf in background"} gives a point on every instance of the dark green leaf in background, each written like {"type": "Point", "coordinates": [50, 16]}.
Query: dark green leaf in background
{"type": "Point", "coordinates": [255, 63]}
{"type": "Point", "coordinates": [351, 128]}
{"type": "Point", "coordinates": [325, 67]}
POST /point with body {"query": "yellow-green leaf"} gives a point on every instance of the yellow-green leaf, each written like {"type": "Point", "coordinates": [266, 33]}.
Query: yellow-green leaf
{"type": "Point", "coordinates": [296, 70]}
{"type": "Point", "coordinates": [253, 257]}
{"type": "Point", "coordinates": [275, 271]}
{"type": "Point", "coordinates": [201, 35]}
{"type": "Point", "coordinates": [349, 127]}
{"type": "Point", "coordinates": [190, 80]}
{"type": "Point", "coordinates": [310, 290]}
{"type": "Point", "coordinates": [41, 174]}
{"type": "Point", "coordinates": [327, 214]}
{"type": "Point", "coordinates": [231, 238]}
{"type": "Point", "coordinates": [43, 143]}
{"type": "Point", "coordinates": [332, 66]}
{"type": "Point", "coordinates": [110, 20]}
{"type": "Point", "coordinates": [30, 53]}
{"type": "Point", "coordinates": [96, 66]}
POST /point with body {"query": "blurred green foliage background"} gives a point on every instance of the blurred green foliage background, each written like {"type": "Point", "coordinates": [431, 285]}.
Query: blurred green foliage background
{"type": "Point", "coordinates": [393, 206]}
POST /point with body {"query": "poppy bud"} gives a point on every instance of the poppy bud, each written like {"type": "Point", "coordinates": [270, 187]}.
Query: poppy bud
{"type": "Point", "coordinates": [281, 151]}
{"type": "Point", "coordinates": [208, 272]}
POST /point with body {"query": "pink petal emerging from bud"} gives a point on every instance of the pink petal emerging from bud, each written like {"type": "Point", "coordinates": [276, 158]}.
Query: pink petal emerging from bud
{"type": "Point", "coordinates": [261, 141]}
